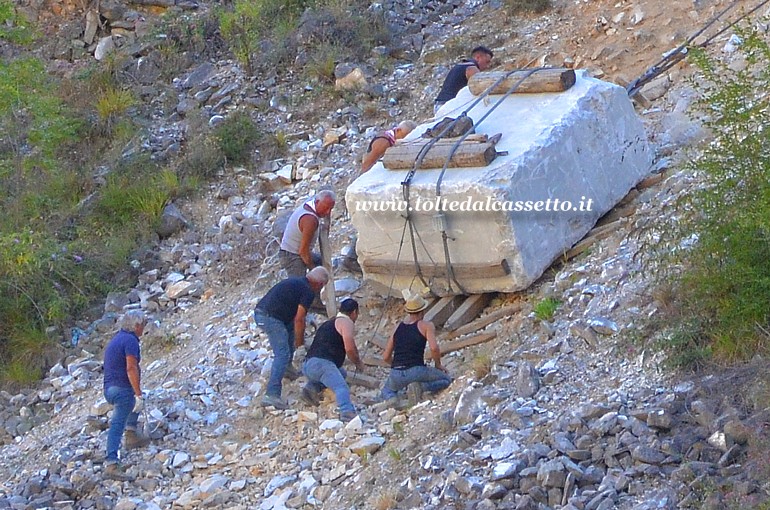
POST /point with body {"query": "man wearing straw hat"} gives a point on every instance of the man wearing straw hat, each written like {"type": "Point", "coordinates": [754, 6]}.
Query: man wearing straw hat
{"type": "Point", "coordinates": [405, 352]}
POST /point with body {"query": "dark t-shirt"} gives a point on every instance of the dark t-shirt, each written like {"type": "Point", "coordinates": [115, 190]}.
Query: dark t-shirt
{"type": "Point", "coordinates": [455, 81]}
{"type": "Point", "coordinates": [124, 343]}
{"type": "Point", "coordinates": [408, 347]}
{"type": "Point", "coordinates": [328, 344]}
{"type": "Point", "coordinates": [282, 300]}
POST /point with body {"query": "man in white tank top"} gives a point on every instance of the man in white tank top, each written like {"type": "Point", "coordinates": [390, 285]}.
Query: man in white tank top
{"type": "Point", "coordinates": [301, 233]}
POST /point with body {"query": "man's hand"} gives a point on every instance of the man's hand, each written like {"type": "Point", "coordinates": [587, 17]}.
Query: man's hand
{"type": "Point", "coordinates": [299, 342]}
{"type": "Point", "coordinates": [360, 367]}
{"type": "Point", "coordinates": [138, 404]}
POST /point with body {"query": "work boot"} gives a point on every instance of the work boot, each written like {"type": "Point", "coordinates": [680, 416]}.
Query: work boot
{"type": "Point", "coordinates": [414, 393]}
{"type": "Point", "coordinates": [116, 471]}
{"type": "Point", "coordinates": [310, 396]}
{"type": "Point", "coordinates": [277, 402]}
{"type": "Point", "coordinates": [135, 440]}
{"type": "Point", "coordinates": [291, 373]}
{"type": "Point", "coordinates": [346, 416]}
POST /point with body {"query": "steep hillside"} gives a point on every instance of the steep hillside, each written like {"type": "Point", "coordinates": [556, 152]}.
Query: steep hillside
{"type": "Point", "coordinates": [571, 410]}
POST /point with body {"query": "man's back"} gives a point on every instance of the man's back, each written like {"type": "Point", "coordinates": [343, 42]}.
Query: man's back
{"type": "Point", "coordinates": [455, 80]}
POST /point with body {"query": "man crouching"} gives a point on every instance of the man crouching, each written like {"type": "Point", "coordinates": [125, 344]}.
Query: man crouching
{"type": "Point", "coordinates": [323, 366]}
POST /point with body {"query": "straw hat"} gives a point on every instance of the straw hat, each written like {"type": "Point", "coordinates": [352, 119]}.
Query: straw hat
{"type": "Point", "coordinates": [414, 302]}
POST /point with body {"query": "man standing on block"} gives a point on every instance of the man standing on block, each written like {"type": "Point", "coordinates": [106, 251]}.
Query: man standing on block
{"type": "Point", "coordinates": [281, 315]}
{"type": "Point", "coordinates": [459, 75]}
{"type": "Point", "coordinates": [323, 367]}
{"type": "Point", "coordinates": [123, 389]}
{"type": "Point", "coordinates": [405, 351]}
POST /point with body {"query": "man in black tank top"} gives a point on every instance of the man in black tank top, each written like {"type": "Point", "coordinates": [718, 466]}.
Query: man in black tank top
{"type": "Point", "coordinates": [405, 352]}
{"type": "Point", "coordinates": [460, 74]}
{"type": "Point", "coordinates": [323, 367]}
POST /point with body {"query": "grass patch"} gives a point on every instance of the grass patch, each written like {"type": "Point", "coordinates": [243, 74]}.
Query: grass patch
{"type": "Point", "coordinates": [481, 365]}
{"type": "Point", "coordinates": [546, 308]}
{"type": "Point", "coordinates": [13, 27]}
{"type": "Point", "coordinates": [527, 6]}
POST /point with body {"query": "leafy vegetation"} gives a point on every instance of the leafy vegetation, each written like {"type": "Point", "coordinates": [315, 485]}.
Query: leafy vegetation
{"type": "Point", "coordinates": [265, 34]}
{"type": "Point", "coordinates": [546, 308]}
{"type": "Point", "coordinates": [524, 6]}
{"type": "Point", "coordinates": [13, 27]}
{"type": "Point", "coordinates": [721, 290]}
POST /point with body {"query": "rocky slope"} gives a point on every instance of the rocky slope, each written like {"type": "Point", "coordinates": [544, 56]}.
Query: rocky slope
{"type": "Point", "coordinates": [575, 411]}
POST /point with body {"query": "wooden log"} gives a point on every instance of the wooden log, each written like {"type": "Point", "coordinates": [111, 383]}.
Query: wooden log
{"type": "Point", "coordinates": [483, 322]}
{"type": "Point", "coordinates": [379, 340]}
{"type": "Point", "coordinates": [472, 154]}
{"type": "Point", "coordinates": [326, 255]}
{"type": "Point", "coordinates": [373, 361]}
{"type": "Point", "coordinates": [359, 379]}
{"type": "Point", "coordinates": [593, 236]}
{"type": "Point", "coordinates": [443, 309]}
{"type": "Point", "coordinates": [651, 181]}
{"type": "Point", "coordinates": [460, 270]}
{"type": "Point", "coordinates": [448, 347]}
{"type": "Point", "coordinates": [544, 80]}
{"type": "Point", "coordinates": [467, 311]}
{"type": "Point", "coordinates": [474, 138]}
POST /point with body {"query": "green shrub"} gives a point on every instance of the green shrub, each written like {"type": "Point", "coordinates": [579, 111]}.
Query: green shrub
{"type": "Point", "coordinates": [237, 137]}
{"type": "Point", "coordinates": [546, 308]}
{"type": "Point", "coordinates": [722, 283]}
{"type": "Point", "coordinates": [13, 27]}
{"type": "Point", "coordinates": [523, 6]}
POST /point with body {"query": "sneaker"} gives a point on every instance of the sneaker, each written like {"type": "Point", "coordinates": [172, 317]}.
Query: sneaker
{"type": "Point", "coordinates": [135, 440]}
{"type": "Point", "coordinates": [346, 416]}
{"type": "Point", "coordinates": [414, 393]}
{"type": "Point", "coordinates": [291, 373]}
{"type": "Point", "coordinates": [310, 396]}
{"type": "Point", "coordinates": [273, 401]}
{"type": "Point", "coordinates": [116, 471]}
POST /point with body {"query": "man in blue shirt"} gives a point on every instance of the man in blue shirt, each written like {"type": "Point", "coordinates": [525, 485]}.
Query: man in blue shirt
{"type": "Point", "coordinates": [281, 315]}
{"type": "Point", "coordinates": [123, 389]}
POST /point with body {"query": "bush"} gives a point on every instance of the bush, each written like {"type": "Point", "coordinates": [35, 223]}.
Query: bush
{"type": "Point", "coordinates": [722, 283]}
{"type": "Point", "coordinates": [237, 137]}
{"type": "Point", "coordinates": [13, 27]}
{"type": "Point", "coordinates": [521, 6]}
{"type": "Point", "coordinates": [546, 308]}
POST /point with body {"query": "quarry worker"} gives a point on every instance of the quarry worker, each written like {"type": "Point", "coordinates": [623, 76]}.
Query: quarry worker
{"type": "Point", "coordinates": [281, 315]}
{"type": "Point", "coordinates": [459, 75]}
{"type": "Point", "coordinates": [405, 351]}
{"type": "Point", "coordinates": [301, 233]}
{"type": "Point", "coordinates": [123, 389]}
{"type": "Point", "coordinates": [335, 339]}
{"type": "Point", "coordinates": [382, 141]}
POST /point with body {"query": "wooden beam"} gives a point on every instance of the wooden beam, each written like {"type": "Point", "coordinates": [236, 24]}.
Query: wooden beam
{"type": "Point", "coordinates": [467, 311]}
{"type": "Point", "coordinates": [473, 138]}
{"type": "Point", "coordinates": [375, 362]}
{"type": "Point", "coordinates": [461, 270]}
{"type": "Point", "coordinates": [471, 154]}
{"type": "Point", "coordinates": [544, 80]}
{"type": "Point", "coordinates": [379, 340]}
{"type": "Point", "coordinates": [364, 380]}
{"type": "Point", "coordinates": [593, 236]}
{"type": "Point", "coordinates": [483, 322]}
{"type": "Point", "coordinates": [443, 309]}
{"type": "Point", "coordinates": [326, 256]}
{"type": "Point", "coordinates": [448, 347]}
{"type": "Point", "coordinates": [651, 181]}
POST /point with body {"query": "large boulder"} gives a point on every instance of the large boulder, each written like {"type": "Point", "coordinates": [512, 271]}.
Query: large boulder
{"type": "Point", "coordinates": [571, 156]}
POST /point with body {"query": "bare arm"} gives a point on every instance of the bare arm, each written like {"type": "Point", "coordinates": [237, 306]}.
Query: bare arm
{"type": "Point", "coordinates": [379, 146]}
{"type": "Point", "coordinates": [308, 224]}
{"type": "Point", "coordinates": [429, 332]}
{"type": "Point", "coordinates": [299, 326]}
{"type": "Point", "coordinates": [471, 71]}
{"type": "Point", "coordinates": [347, 329]}
{"type": "Point", "coordinates": [388, 354]}
{"type": "Point", "coordinates": [132, 369]}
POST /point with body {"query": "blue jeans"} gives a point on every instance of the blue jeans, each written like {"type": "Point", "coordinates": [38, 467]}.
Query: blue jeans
{"type": "Point", "coordinates": [324, 373]}
{"type": "Point", "coordinates": [432, 380]}
{"type": "Point", "coordinates": [281, 339]}
{"type": "Point", "coordinates": [122, 418]}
